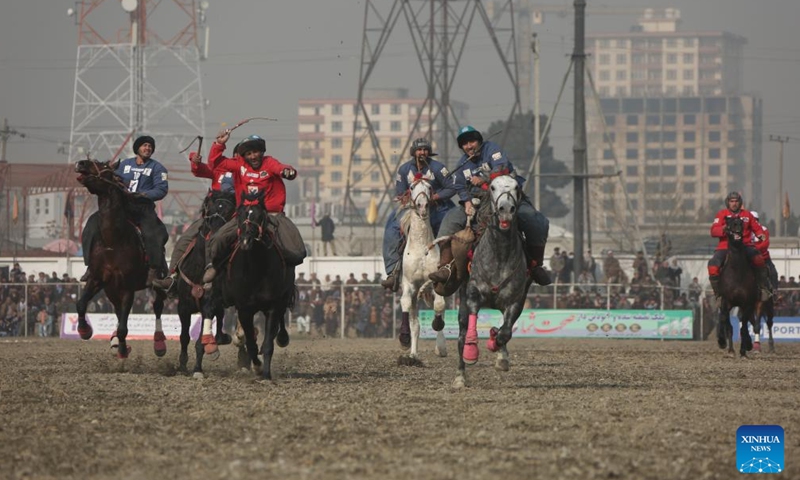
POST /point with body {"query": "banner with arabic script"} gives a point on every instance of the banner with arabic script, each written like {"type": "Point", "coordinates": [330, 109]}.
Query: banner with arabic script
{"type": "Point", "coordinates": [663, 324]}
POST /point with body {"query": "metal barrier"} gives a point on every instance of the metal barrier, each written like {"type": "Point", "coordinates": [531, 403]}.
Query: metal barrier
{"type": "Point", "coordinates": [366, 309]}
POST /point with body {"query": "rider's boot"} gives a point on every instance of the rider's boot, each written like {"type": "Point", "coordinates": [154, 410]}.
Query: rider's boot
{"type": "Point", "coordinates": [714, 280]}
{"type": "Point", "coordinates": [762, 278]}
{"type": "Point", "coordinates": [445, 264]}
{"type": "Point", "coordinates": [389, 283]}
{"type": "Point", "coordinates": [167, 282]}
{"type": "Point", "coordinates": [538, 273]}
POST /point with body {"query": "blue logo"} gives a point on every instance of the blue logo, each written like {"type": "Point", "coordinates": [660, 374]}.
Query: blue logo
{"type": "Point", "coordinates": [759, 449]}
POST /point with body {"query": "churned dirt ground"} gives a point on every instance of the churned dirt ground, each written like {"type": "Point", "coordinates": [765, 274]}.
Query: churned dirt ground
{"type": "Point", "coordinates": [572, 409]}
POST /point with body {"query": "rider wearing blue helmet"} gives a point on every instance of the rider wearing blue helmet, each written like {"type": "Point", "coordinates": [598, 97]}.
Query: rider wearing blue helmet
{"type": "Point", "coordinates": [479, 157]}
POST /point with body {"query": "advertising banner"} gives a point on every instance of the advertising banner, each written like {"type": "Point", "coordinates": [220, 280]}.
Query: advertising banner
{"type": "Point", "coordinates": [140, 326]}
{"type": "Point", "coordinates": [658, 324]}
{"type": "Point", "coordinates": [784, 329]}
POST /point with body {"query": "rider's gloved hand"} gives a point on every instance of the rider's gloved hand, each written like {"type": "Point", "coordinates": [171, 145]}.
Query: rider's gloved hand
{"type": "Point", "coordinates": [762, 237]}
{"type": "Point", "coordinates": [195, 157]}
{"type": "Point", "coordinates": [223, 136]}
{"type": "Point", "coordinates": [469, 208]}
{"type": "Point", "coordinates": [289, 173]}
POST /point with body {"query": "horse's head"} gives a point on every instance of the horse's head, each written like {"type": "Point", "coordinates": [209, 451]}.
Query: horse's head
{"type": "Point", "coordinates": [505, 195]}
{"type": "Point", "coordinates": [421, 193]}
{"type": "Point", "coordinates": [734, 229]}
{"type": "Point", "coordinates": [98, 177]}
{"type": "Point", "coordinates": [218, 208]}
{"type": "Point", "coordinates": [252, 220]}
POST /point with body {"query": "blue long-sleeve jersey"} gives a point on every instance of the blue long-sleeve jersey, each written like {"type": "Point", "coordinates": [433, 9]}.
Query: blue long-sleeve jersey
{"type": "Point", "coordinates": [434, 172]}
{"type": "Point", "coordinates": [491, 158]}
{"type": "Point", "coordinates": [148, 179]}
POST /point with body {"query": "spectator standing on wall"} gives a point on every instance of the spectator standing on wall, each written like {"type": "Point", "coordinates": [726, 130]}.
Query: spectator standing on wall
{"type": "Point", "coordinates": [328, 227]}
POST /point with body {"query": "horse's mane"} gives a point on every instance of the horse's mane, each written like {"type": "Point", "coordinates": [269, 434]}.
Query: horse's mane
{"type": "Point", "coordinates": [405, 218]}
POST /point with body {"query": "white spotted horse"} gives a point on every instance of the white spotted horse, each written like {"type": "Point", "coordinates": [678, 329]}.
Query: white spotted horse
{"type": "Point", "coordinates": [418, 262]}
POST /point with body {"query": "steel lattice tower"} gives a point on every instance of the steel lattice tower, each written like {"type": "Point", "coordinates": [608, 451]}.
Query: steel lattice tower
{"type": "Point", "coordinates": [143, 78]}
{"type": "Point", "coordinates": [439, 31]}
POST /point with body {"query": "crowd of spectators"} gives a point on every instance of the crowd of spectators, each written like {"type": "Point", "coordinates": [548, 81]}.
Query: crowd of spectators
{"type": "Point", "coordinates": [32, 304]}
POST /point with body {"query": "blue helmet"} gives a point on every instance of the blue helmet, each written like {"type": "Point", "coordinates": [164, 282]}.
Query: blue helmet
{"type": "Point", "coordinates": [468, 133]}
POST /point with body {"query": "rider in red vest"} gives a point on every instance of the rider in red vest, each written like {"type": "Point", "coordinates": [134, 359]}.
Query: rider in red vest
{"type": "Point", "coordinates": [763, 247]}
{"type": "Point", "coordinates": [253, 172]}
{"type": "Point", "coordinates": [751, 229]}
{"type": "Point", "coordinates": [221, 180]}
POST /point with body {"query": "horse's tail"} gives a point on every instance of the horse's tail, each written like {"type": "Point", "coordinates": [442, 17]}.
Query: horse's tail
{"type": "Point", "coordinates": [426, 293]}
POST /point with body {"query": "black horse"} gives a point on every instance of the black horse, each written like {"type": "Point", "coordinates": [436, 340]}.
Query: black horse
{"type": "Point", "coordinates": [768, 314]}
{"type": "Point", "coordinates": [738, 288]}
{"type": "Point", "coordinates": [258, 279]}
{"type": "Point", "coordinates": [218, 208]}
{"type": "Point", "coordinates": [117, 259]}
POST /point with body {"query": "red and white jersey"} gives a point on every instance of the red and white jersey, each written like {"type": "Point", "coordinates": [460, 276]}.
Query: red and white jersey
{"type": "Point", "coordinates": [751, 227]}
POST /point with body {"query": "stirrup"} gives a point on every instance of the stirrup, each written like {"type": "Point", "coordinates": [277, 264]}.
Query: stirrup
{"type": "Point", "coordinates": [445, 270]}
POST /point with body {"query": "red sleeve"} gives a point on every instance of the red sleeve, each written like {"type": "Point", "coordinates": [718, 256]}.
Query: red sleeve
{"type": "Point", "coordinates": [226, 165]}
{"type": "Point", "coordinates": [215, 155]}
{"type": "Point", "coordinates": [201, 170]}
{"type": "Point", "coordinates": [275, 167]}
{"type": "Point", "coordinates": [764, 246]}
{"type": "Point", "coordinates": [718, 225]}
{"type": "Point", "coordinates": [754, 225]}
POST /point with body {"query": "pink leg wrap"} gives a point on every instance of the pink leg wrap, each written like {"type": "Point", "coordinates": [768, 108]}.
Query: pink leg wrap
{"type": "Point", "coordinates": [471, 341]}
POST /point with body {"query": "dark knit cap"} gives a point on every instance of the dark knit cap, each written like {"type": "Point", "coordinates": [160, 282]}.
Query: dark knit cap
{"type": "Point", "coordinates": [141, 141]}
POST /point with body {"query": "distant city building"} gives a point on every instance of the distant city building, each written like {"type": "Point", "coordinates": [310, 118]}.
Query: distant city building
{"type": "Point", "coordinates": [325, 132]}
{"type": "Point", "coordinates": [683, 132]}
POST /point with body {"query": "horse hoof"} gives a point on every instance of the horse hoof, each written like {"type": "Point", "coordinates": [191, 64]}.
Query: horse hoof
{"type": "Point", "coordinates": [85, 333]}
{"type": "Point", "coordinates": [491, 344]}
{"type": "Point", "coordinates": [405, 340]}
{"type": "Point", "coordinates": [210, 346]}
{"type": "Point", "coordinates": [501, 365]}
{"type": "Point", "coordinates": [123, 354]}
{"type": "Point", "coordinates": [198, 376]}
{"type": "Point", "coordinates": [409, 361]}
{"type": "Point", "coordinates": [159, 344]}
{"type": "Point", "coordinates": [459, 383]}
{"type": "Point", "coordinates": [224, 339]}
{"type": "Point", "coordinates": [282, 340]}
{"type": "Point", "coordinates": [757, 347]}
{"type": "Point", "coordinates": [213, 356]}
{"type": "Point", "coordinates": [438, 323]}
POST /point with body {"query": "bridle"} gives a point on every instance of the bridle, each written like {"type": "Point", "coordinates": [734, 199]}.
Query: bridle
{"type": "Point", "coordinates": [248, 223]}
{"type": "Point", "coordinates": [100, 169]}
{"type": "Point", "coordinates": [496, 201]}
{"type": "Point", "coordinates": [423, 194]}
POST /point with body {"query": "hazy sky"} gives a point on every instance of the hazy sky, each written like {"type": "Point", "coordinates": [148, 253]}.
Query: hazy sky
{"type": "Point", "coordinates": [266, 54]}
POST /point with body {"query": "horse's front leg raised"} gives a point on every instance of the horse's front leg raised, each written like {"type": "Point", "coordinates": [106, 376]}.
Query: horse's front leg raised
{"type": "Point", "coordinates": [438, 321]}
{"type": "Point", "coordinates": [406, 303]}
{"type": "Point", "coordinates": [746, 342]}
{"type": "Point", "coordinates": [89, 291]}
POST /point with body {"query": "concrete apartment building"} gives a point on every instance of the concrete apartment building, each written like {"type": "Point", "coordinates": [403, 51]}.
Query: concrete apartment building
{"type": "Point", "coordinates": [326, 137]}
{"type": "Point", "coordinates": [683, 131]}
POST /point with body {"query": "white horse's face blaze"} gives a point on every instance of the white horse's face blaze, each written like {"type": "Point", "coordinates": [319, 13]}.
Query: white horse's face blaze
{"type": "Point", "coordinates": [421, 195]}
{"type": "Point", "coordinates": [505, 198]}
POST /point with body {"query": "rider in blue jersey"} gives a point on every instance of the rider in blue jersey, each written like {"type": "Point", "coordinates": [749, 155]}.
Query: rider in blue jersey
{"type": "Point", "coordinates": [478, 160]}
{"type": "Point", "coordinates": [423, 166]}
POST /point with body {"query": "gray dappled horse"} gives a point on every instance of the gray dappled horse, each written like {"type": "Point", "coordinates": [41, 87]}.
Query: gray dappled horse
{"type": "Point", "coordinates": [498, 278]}
{"type": "Point", "coordinates": [419, 260]}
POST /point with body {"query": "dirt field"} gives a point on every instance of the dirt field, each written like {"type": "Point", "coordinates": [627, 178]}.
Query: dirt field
{"type": "Point", "coordinates": [344, 409]}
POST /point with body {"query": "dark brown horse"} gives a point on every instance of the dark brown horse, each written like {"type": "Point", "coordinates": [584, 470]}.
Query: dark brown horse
{"type": "Point", "coordinates": [117, 260]}
{"type": "Point", "coordinates": [218, 208]}
{"type": "Point", "coordinates": [738, 288]}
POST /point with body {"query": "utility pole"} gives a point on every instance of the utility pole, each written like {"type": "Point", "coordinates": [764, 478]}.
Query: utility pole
{"type": "Point", "coordinates": [779, 204]}
{"type": "Point", "coordinates": [537, 195]}
{"type": "Point", "coordinates": [579, 137]}
{"type": "Point", "coordinates": [5, 134]}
